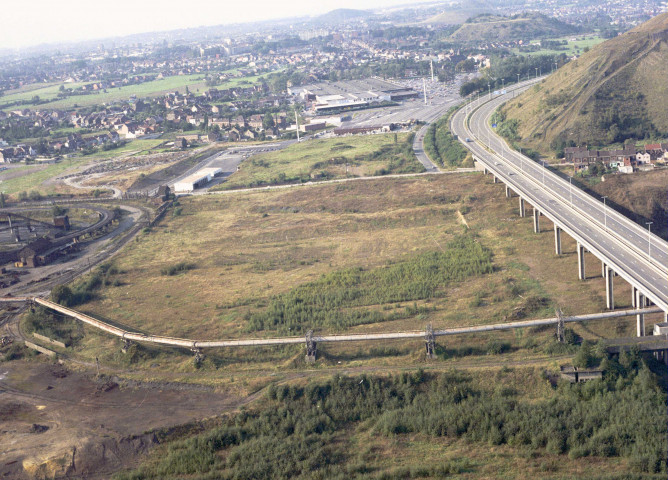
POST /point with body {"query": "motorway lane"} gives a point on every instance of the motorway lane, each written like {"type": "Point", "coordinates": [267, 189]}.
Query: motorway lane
{"type": "Point", "coordinates": [418, 141]}
{"type": "Point", "coordinates": [633, 235]}
{"type": "Point", "coordinates": [524, 175]}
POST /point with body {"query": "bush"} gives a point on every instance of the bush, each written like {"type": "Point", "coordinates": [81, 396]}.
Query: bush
{"type": "Point", "coordinates": [334, 300]}
{"type": "Point", "coordinates": [15, 351]}
{"type": "Point", "coordinates": [34, 195]}
{"type": "Point", "coordinates": [62, 294]}
{"type": "Point", "coordinates": [180, 267]}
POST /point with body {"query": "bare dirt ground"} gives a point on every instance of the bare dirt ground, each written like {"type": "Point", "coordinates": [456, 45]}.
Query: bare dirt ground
{"type": "Point", "coordinates": [56, 422]}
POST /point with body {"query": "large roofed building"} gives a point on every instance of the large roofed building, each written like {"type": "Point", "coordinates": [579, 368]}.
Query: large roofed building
{"type": "Point", "coordinates": [196, 180]}
{"type": "Point", "coordinates": [333, 97]}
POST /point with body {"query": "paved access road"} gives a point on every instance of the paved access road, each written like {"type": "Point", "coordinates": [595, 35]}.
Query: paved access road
{"type": "Point", "coordinates": [622, 244]}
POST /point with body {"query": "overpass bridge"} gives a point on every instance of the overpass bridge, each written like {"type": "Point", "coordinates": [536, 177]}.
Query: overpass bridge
{"type": "Point", "coordinates": [624, 248]}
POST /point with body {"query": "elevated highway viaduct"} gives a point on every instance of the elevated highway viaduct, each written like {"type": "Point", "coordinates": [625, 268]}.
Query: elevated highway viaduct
{"type": "Point", "coordinates": [624, 248]}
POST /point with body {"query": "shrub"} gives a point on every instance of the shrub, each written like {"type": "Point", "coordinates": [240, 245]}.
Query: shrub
{"type": "Point", "coordinates": [175, 269]}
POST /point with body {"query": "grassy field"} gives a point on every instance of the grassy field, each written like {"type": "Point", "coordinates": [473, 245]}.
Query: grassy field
{"type": "Point", "coordinates": [325, 159]}
{"type": "Point", "coordinates": [38, 178]}
{"type": "Point", "coordinates": [246, 252]}
{"type": "Point", "coordinates": [576, 45]}
{"type": "Point", "coordinates": [195, 84]}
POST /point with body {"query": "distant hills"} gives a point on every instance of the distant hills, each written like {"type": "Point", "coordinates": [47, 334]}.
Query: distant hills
{"type": "Point", "coordinates": [456, 15]}
{"type": "Point", "coordinates": [342, 15]}
{"type": "Point", "coordinates": [491, 28]}
{"type": "Point", "coordinates": [616, 91]}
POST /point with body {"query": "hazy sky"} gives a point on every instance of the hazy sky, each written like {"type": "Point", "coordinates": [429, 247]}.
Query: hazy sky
{"type": "Point", "coordinates": [31, 22]}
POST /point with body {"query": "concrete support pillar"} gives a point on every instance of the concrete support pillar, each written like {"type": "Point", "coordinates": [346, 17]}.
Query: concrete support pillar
{"type": "Point", "coordinates": [508, 192]}
{"type": "Point", "coordinates": [557, 239]}
{"type": "Point", "coordinates": [640, 317]}
{"type": "Point", "coordinates": [609, 289]}
{"type": "Point", "coordinates": [311, 347]}
{"type": "Point", "coordinates": [633, 296]}
{"type": "Point", "coordinates": [430, 342]}
{"type": "Point", "coordinates": [522, 208]}
{"type": "Point", "coordinates": [536, 220]}
{"type": "Point", "coordinates": [603, 269]}
{"type": "Point", "coordinates": [485, 171]}
{"type": "Point", "coordinates": [581, 262]}
{"type": "Point", "coordinates": [496, 180]}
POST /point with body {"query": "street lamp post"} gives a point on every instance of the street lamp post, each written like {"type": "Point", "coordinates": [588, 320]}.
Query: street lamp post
{"type": "Point", "coordinates": [489, 87]}
{"type": "Point", "coordinates": [649, 241]}
{"type": "Point", "coordinates": [544, 168]}
{"type": "Point", "coordinates": [570, 188]}
{"type": "Point", "coordinates": [605, 213]}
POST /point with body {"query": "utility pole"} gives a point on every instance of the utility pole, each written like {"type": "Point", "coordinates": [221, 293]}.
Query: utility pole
{"type": "Point", "coordinates": [424, 89]}
{"type": "Point", "coordinates": [297, 122]}
{"type": "Point", "coordinates": [570, 183]}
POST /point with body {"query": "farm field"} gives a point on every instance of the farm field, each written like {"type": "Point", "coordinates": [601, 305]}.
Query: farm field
{"type": "Point", "coordinates": [326, 159]}
{"type": "Point", "coordinates": [236, 266]}
{"type": "Point", "coordinates": [576, 45]}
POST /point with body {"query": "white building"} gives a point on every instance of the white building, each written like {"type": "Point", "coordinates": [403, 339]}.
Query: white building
{"type": "Point", "coordinates": [196, 180]}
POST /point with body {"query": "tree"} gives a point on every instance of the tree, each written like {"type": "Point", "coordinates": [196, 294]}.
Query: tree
{"type": "Point", "coordinates": [34, 195]}
{"type": "Point", "coordinates": [62, 294]}
{"type": "Point", "coordinates": [268, 121]}
{"type": "Point", "coordinates": [58, 211]}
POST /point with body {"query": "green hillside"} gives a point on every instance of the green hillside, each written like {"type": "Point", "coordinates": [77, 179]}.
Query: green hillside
{"type": "Point", "coordinates": [526, 26]}
{"type": "Point", "coordinates": [616, 91]}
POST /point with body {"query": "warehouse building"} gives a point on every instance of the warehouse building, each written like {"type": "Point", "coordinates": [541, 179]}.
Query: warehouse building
{"type": "Point", "coordinates": [334, 97]}
{"type": "Point", "coordinates": [196, 180]}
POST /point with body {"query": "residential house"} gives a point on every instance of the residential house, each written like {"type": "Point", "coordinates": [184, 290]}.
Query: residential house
{"type": "Point", "coordinates": [255, 121]}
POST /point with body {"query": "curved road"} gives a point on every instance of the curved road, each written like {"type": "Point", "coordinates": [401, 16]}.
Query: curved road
{"type": "Point", "coordinates": [418, 142]}
{"type": "Point", "coordinates": [613, 238]}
